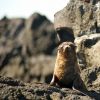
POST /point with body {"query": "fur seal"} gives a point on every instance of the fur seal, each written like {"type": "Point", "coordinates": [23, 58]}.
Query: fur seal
{"type": "Point", "coordinates": [66, 71]}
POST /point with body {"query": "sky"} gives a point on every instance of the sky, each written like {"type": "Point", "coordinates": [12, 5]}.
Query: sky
{"type": "Point", "coordinates": [24, 8]}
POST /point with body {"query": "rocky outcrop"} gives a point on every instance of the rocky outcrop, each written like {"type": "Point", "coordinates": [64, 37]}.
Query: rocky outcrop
{"type": "Point", "coordinates": [12, 89]}
{"type": "Point", "coordinates": [3, 25]}
{"type": "Point", "coordinates": [88, 50]}
{"type": "Point", "coordinates": [30, 69]}
{"type": "Point", "coordinates": [23, 43]}
{"type": "Point", "coordinates": [38, 35]}
{"type": "Point", "coordinates": [80, 16]}
{"type": "Point", "coordinates": [88, 53]}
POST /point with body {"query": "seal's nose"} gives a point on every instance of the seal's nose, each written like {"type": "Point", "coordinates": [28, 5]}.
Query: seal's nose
{"type": "Point", "coordinates": [66, 48]}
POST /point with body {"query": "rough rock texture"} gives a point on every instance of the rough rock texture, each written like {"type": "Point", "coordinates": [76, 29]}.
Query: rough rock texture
{"type": "Point", "coordinates": [88, 52]}
{"type": "Point", "coordinates": [82, 17]}
{"type": "Point", "coordinates": [30, 69]}
{"type": "Point", "coordinates": [23, 43]}
{"type": "Point", "coordinates": [11, 89]}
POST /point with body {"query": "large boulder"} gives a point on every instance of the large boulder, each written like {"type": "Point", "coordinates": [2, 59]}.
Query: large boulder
{"type": "Point", "coordinates": [38, 35]}
{"type": "Point", "coordinates": [88, 50]}
{"type": "Point", "coordinates": [88, 53]}
{"type": "Point", "coordinates": [23, 43]}
{"type": "Point", "coordinates": [80, 16]}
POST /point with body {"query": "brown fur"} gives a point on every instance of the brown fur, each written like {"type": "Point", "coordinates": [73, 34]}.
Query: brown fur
{"type": "Point", "coordinates": [66, 71]}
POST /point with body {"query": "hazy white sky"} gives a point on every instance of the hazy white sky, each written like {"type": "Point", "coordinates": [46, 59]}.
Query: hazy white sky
{"type": "Point", "coordinates": [24, 8]}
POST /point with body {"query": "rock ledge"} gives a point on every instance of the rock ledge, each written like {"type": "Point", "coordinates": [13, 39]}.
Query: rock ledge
{"type": "Point", "coordinates": [12, 89]}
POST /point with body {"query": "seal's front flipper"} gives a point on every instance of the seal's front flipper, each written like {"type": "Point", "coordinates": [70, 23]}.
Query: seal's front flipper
{"type": "Point", "coordinates": [54, 81]}
{"type": "Point", "coordinates": [79, 86]}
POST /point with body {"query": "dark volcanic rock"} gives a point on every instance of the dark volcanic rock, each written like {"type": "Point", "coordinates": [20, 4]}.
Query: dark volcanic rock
{"type": "Point", "coordinates": [10, 81]}
{"type": "Point", "coordinates": [38, 91]}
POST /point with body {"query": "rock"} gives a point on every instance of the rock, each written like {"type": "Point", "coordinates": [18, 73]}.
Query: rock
{"type": "Point", "coordinates": [35, 35]}
{"type": "Point", "coordinates": [88, 53]}
{"type": "Point", "coordinates": [24, 41]}
{"type": "Point", "coordinates": [38, 38]}
{"type": "Point", "coordinates": [38, 91]}
{"type": "Point", "coordinates": [23, 44]}
{"type": "Point", "coordinates": [79, 16]}
{"type": "Point", "coordinates": [15, 26]}
{"type": "Point", "coordinates": [88, 50]}
{"type": "Point", "coordinates": [33, 69]}
{"type": "Point", "coordinates": [3, 25]}
{"type": "Point", "coordinates": [35, 21]}
{"type": "Point", "coordinates": [91, 77]}
{"type": "Point", "coordinates": [10, 81]}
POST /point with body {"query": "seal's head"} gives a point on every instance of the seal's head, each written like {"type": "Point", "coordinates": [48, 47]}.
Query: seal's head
{"type": "Point", "coordinates": [66, 49]}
